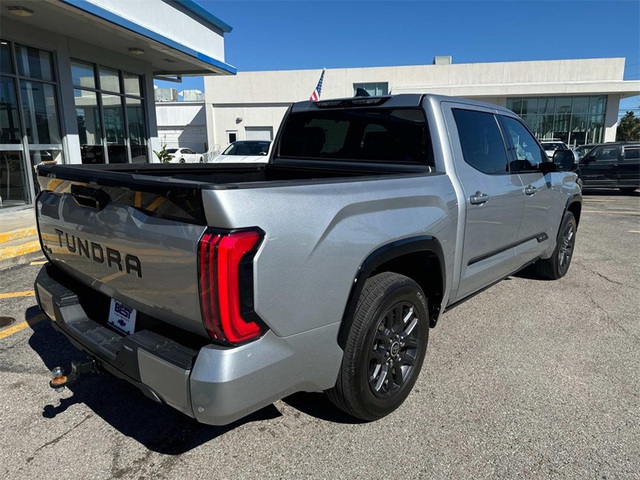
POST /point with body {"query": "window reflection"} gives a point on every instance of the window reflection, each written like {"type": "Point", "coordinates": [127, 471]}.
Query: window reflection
{"type": "Point", "coordinates": [34, 63]}
{"type": "Point", "coordinates": [109, 80]}
{"type": "Point", "coordinates": [114, 128]}
{"type": "Point", "coordinates": [40, 112]}
{"type": "Point", "coordinates": [14, 183]}
{"type": "Point", "coordinates": [574, 120]}
{"type": "Point", "coordinates": [83, 75]}
{"type": "Point", "coordinates": [89, 126]}
{"type": "Point", "coordinates": [9, 120]}
{"type": "Point", "coordinates": [6, 65]}
{"type": "Point", "coordinates": [137, 131]}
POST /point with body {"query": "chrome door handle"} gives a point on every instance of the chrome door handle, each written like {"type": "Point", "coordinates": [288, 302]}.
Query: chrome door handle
{"type": "Point", "coordinates": [530, 190]}
{"type": "Point", "coordinates": [479, 198]}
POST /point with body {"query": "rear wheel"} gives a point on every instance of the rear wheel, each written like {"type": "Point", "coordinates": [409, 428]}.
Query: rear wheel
{"type": "Point", "coordinates": [385, 348]}
{"type": "Point", "coordinates": [182, 160]}
{"type": "Point", "coordinates": [557, 265]}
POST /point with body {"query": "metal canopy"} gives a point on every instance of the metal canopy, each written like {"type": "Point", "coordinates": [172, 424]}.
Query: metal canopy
{"type": "Point", "coordinates": [90, 24]}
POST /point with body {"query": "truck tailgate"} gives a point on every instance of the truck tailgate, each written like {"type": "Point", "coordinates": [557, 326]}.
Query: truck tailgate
{"type": "Point", "coordinates": [137, 247]}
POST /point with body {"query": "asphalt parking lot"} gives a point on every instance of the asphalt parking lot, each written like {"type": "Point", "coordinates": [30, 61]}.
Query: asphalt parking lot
{"type": "Point", "coordinates": [530, 379]}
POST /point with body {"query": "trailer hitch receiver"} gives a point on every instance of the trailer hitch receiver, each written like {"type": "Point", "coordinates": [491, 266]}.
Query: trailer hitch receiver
{"type": "Point", "coordinates": [78, 368]}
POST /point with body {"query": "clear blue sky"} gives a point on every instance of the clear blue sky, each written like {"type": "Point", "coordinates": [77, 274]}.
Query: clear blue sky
{"type": "Point", "coordinates": [288, 35]}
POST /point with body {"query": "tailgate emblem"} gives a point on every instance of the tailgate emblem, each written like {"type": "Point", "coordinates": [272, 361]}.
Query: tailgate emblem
{"type": "Point", "coordinates": [100, 254]}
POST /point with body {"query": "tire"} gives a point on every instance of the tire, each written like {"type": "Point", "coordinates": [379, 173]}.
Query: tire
{"type": "Point", "coordinates": [182, 160]}
{"type": "Point", "coordinates": [558, 264]}
{"type": "Point", "coordinates": [384, 353]}
{"type": "Point", "coordinates": [628, 189]}
{"type": "Point", "coordinates": [201, 160]}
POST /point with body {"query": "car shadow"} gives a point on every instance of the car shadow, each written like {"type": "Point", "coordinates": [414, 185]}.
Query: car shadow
{"type": "Point", "coordinates": [158, 427]}
{"type": "Point", "coordinates": [603, 192]}
{"type": "Point", "coordinates": [318, 405]}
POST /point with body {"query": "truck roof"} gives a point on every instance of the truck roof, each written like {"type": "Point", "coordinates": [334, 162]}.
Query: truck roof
{"type": "Point", "coordinates": [389, 101]}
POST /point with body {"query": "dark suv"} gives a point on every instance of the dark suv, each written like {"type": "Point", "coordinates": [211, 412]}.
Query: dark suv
{"type": "Point", "coordinates": [612, 165]}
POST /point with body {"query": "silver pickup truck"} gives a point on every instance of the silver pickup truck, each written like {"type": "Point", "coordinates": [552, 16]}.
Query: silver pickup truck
{"type": "Point", "coordinates": [218, 289]}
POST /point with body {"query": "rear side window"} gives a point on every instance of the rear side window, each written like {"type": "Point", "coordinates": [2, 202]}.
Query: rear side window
{"type": "Point", "coordinates": [397, 136]}
{"type": "Point", "coordinates": [632, 153]}
{"type": "Point", "coordinates": [481, 141]}
{"type": "Point", "coordinates": [607, 152]}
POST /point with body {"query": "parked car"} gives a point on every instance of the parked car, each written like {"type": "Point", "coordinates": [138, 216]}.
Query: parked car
{"type": "Point", "coordinates": [184, 155]}
{"type": "Point", "coordinates": [321, 270]}
{"type": "Point", "coordinates": [551, 146]}
{"type": "Point", "coordinates": [612, 165]}
{"type": "Point", "coordinates": [245, 151]}
{"type": "Point", "coordinates": [582, 150]}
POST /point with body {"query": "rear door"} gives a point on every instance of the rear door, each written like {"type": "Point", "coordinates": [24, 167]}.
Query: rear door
{"type": "Point", "coordinates": [494, 197]}
{"type": "Point", "coordinates": [629, 167]}
{"type": "Point", "coordinates": [600, 167]}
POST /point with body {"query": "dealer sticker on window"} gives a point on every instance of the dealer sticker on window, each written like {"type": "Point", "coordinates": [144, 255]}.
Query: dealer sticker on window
{"type": "Point", "coordinates": [122, 317]}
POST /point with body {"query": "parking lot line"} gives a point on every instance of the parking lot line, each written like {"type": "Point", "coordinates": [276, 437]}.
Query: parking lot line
{"type": "Point", "coordinates": [28, 293]}
{"type": "Point", "coordinates": [38, 263]}
{"type": "Point", "coordinates": [633, 231]}
{"type": "Point", "coordinates": [616, 212]}
{"type": "Point", "coordinates": [21, 326]}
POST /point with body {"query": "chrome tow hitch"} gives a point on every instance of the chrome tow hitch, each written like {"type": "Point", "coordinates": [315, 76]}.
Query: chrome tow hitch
{"type": "Point", "coordinates": [61, 380]}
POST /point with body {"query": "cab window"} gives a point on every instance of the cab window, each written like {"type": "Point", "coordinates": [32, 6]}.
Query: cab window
{"type": "Point", "coordinates": [526, 153]}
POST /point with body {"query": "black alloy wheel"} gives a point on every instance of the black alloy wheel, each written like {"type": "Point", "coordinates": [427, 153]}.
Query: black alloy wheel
{"type": "Point", "coordinates": [385, 348]}
{"type": "Point", "coordinates": [393, 353]}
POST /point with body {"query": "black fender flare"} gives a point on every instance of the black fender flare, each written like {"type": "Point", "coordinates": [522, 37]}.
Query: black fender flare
{"type": "Point", "coordinates": [426, 244]}
{"type": "Point", "coordinates": [575, 199]}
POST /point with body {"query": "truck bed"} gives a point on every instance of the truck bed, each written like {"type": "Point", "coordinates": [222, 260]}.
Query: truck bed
{"type": "Point", "coordinates": [212, 176]}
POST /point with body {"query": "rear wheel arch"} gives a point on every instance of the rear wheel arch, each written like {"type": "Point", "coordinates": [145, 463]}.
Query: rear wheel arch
{"type": "Point", "coordinates": [418, 258]}
{"type": "Point", "coordinates": [574, 205]}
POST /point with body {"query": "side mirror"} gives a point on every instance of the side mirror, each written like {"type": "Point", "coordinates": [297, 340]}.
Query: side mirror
{"type": "Point", "coordinates": [565, 160]}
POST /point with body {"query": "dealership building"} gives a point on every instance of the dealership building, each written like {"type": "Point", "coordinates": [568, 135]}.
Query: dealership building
{"type": "Point", "coordinates": [77, 80]}
{"type": "Point", "coordinates": [576, 101]}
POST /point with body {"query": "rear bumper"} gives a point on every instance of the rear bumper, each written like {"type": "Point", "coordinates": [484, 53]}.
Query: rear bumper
{"type": "Point", "coordinates": [216, 385]}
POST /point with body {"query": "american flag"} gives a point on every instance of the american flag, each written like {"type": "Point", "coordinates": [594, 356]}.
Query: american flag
{"type": "Point", "coordinates": [315, 96]}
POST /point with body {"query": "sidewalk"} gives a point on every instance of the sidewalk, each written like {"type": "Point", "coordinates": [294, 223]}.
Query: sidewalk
{"type": "Point", "coordinates": [18, 238]}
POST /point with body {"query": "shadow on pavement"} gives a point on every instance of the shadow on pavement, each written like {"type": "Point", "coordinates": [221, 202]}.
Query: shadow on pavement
{"type": "Point", "coordinates": [318, 405]}
{"type": "Point", "coordinates": [604, 192]}
{"type": "Point", "coordinates": [158, 427]}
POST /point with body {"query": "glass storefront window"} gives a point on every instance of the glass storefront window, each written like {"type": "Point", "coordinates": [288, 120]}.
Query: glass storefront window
{"type": "Point", "coordinates": [40, 112]}
{"type": "Point", "coordinates": [14, 182]}
{"type": "Point", "coordinates": [111, 124]}
{"type": "Point", "coordinates": [109, 80]}
{"type": "Point", "coordinates": [529, 106]}
{"type": "Point", "coordinates": [598, 105]}
{"type": "Point", "coordinates": [574, 120]}
{"type": "Point", "coordinates": [9, 120]}
{"type": "Point", "coordinates": [83, 75]}
{"type": "Point", "coordinates": [6, 65]}
{"type": "Point", "coordinates": [137, 132]}
{"type": "Point", "coordinates": [34, 63]}
{"type": "Point", "coordinates": [114, 129]}
{"type": "Point", "coordinates": [373, 89]}
{"type": "Point", "coordinates": [546, 105]}
{"type": "Point", "coordinates": [132, 84]}
{"type": "Point", "coordinates": [89, 126]}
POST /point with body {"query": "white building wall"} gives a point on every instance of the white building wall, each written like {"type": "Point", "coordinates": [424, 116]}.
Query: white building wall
{"type": "Point", "coordinates": [256, 96]}
{"type": "Point", "coordinates": [182, 124]}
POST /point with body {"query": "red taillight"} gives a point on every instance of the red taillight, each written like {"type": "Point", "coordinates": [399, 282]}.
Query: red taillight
{"type": "Point", "coordinates": [220, 260]}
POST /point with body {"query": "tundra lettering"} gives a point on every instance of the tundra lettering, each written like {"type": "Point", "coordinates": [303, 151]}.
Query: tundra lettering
{"type": "Point", "coordinates": [114, 257]}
